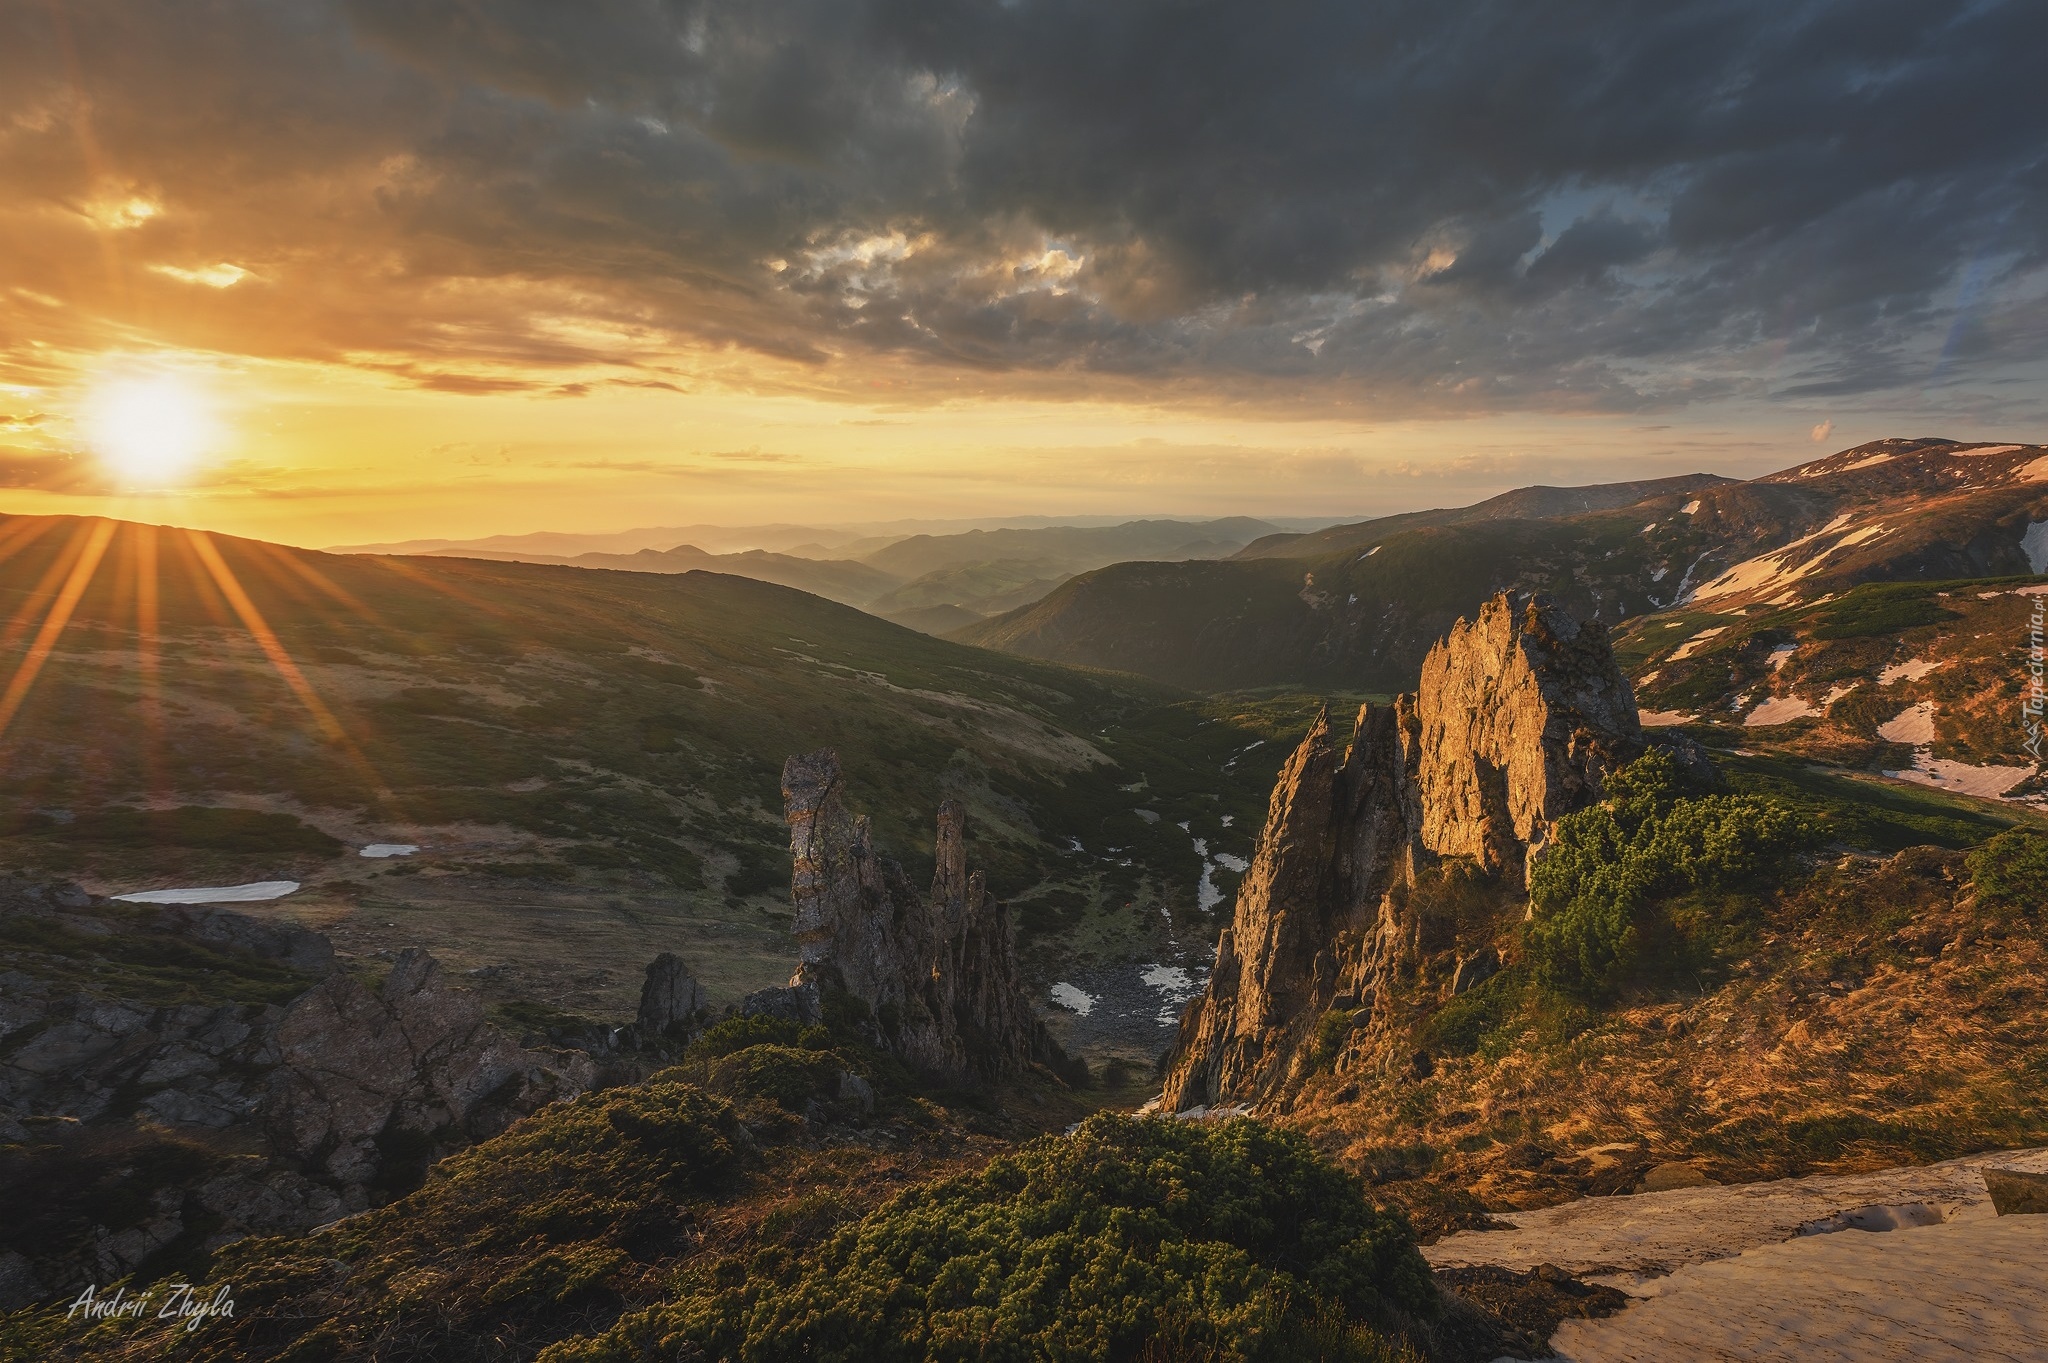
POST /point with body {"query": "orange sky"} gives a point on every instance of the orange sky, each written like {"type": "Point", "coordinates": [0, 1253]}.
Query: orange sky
{"type": "Point", "coordinates": [436, 270]}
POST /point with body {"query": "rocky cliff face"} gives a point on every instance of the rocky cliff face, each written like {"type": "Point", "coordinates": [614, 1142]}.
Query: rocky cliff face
{"type": "Point", "coordinates": [335, 1092]}
{"type": "Point", "coordinates": [413, 1058]}
{"type": "Point", "coordinates": [938, 971]}
{"type": "Point", "coordinates": [1519, 715]}
{"type": "Point", "coordinates": [1520, 711]}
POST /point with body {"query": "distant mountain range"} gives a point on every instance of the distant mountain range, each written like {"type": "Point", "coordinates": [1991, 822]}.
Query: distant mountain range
{"type": "Point", "coordinates": [931, 582]}
{"type": "Point", "coordinates": [1358, 605]}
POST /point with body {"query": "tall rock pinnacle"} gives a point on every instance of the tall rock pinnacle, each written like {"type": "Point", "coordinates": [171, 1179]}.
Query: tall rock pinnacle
{"type": "Point", "coordinates": [938, 972]}
{"type": "Point", "coordinates": [1519, 716]}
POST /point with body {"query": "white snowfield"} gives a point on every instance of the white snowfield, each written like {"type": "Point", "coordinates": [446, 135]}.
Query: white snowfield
{"type": "Point", "coordinates": [1902, 1264]}
{"type": "Point", "coordinates": [389, 849]}
{"type": "Point", "coordinates": [214, 894]}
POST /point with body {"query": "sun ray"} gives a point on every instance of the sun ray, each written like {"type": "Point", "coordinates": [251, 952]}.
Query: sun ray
{"type": "Point", "coordinates": [60, 565]}
{"type": "Point", "coordinates": [282, 662]}
{"type": "Point", "coordinates": [448, 589]}
{"type": "Point", "coordinates": [21, 532]}
{"type": "Point", "coordinates": [266, 639]}
{"type": "Point", "coordinates": [83, 567]}
{"type": "Point", "coordinates": [294, 561]}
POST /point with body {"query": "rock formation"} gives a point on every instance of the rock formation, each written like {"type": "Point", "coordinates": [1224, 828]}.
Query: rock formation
{"type": "Point", "coordinates": [414, 1058]}
{"type": "Point", "coordinates": [937, 972]}
{"type": "Point", "coordinates": [671, 999]}
{"type": "Point", "coordinates": [1520, 711]}
{"type": "Point", "coordinates": [1519, 715]}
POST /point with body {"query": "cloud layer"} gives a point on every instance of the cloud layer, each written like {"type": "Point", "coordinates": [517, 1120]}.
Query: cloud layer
{"type": "Point", "coordinates": [1405, 208]}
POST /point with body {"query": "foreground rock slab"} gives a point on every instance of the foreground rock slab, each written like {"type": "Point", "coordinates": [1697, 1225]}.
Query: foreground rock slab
{"type": "Point", "coordinates": [1910, 1263]}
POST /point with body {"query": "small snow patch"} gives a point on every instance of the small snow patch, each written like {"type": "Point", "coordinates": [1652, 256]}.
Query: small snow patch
{"type": "Point", "coordinates": [2034, 544]}
{"type": "Point", "coordinates": [1781, 655]}
{"type": "Point", "coordinates": [1662, 719]}
{"type": "Point", "coordinates": [1691, 645]}
{"type": "Point", "coordinates": [389, 849]}
{"type": "Point", "coordinates": [1989, 449]}
{"type": "Point", "coordinates": [251, 893]}
{"type": "Point", "coordinates": [1777, 710]}
{"type": "Point", "coordinates": [1148, 815]}
{"type": "Point", "coordinates": [1910, 726]}
{"type": "Point", "coordinates": [1072, 999]}
{"type": "Point", "coordinates": [1911, 670]}
{"type": "Point", "coordinates": [1691, 508]}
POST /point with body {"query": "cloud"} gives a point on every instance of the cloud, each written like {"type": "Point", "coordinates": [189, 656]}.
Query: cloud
{"type": "Point", "coordinates": [1822, 431]}
{"type": "Point", "coordinates": [40, 471]}
{"type": "Point", "coordinates": [1405, 209]}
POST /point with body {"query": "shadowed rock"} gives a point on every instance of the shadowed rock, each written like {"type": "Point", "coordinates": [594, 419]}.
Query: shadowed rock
{"type": "Point", "coordinates": [671, 998]}
{"type": "Point", "coordinates": [937, 972]}
{"type": "Point", "coordinates": [414, 1056]}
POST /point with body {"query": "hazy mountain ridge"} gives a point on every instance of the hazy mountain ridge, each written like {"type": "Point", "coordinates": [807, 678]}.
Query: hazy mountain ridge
{"type": "Point", "coordinates": [1888, 509]}
{"type": "Point", "coordinates": [908, 578]}
{"type": "Point", "coordinates": [1537, 502]}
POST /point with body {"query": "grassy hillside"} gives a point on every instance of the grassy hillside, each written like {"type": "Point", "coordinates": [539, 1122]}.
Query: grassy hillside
{"type": "Point", "coordinates": [590, 759]}
{"type": "Point", "coordinates": [1362, 619]}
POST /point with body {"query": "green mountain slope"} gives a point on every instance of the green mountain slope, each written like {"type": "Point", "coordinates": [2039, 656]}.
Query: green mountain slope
{"type": "Point", "coordinates": [589, 759]}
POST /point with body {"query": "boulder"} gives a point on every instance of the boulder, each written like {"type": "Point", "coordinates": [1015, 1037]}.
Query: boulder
{"type": "Point", "coordinates": [671, 1000]}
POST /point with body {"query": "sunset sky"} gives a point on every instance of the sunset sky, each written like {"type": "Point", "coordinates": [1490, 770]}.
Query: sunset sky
{"type": "Point", "coordinates": [338, 270]}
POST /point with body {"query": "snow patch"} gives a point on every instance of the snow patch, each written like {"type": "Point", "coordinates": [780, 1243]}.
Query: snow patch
{"type": "Point", "coordinates": [1686, 649]}
{"type": "Point", "coordinates": [1662, 719]}
{"type": "Point", "coordinates": [1777, 710]}
{"type": "Point", "coordinates": [1989, 782]}
{"type": "Point", "coordinates": [1176, 985]}
{"type": "Point", "coordinates": [1658, 576]}
{"type": "Point", "coordinates": [1910, 726]}
{"type": "Point", "coordinates": [1691, 508]}
{"type": "Point", "coordinates": [1989, 449]}
{"type": "Point", "coordinates": [1865, 463]}
{"type": "Point", "coordinates": [2035, 472]}
{"type": "Point", "coordinates": [1911, 670]}
{"type": "Point", "coordinates": [1781, 655]}
{"type": "Point", "coordinates": [252, 893]}
{"type": "Point", "coordinates": [2034, 544]}
{"type": "Point", "coordinates": [389, 849]}
{"type": "Point", "coordinates": [1072, 999]}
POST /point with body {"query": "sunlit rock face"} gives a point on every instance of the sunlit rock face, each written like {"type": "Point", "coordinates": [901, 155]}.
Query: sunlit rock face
{"type": "Point", "coordinates": [1519, 716]}
{"type": "Point", "coordinates": [937, 972]}
{"type": "Point", "coordinates": [1521, 712]}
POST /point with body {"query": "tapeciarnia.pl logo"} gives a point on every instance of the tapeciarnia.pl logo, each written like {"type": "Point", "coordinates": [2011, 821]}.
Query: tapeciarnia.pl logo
{"type": "Point", "coordinates": [2037, 677]}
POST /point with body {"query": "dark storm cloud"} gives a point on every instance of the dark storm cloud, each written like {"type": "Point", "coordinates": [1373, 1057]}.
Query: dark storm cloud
{"type": "Point", "coordinates": [1420, 206]}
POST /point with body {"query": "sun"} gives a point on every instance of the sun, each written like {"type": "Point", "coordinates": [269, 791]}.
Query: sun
{"type": "Point", "coordinates": [149, 429]}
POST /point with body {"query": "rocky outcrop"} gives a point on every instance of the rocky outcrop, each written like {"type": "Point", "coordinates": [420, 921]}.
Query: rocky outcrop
{"type": "Point", "coordinates": [671, 1000]}
{"type": "Point", "coordinates": [937, 972]}
{"type": "Point", "coordinates": [339, 1095]}
{"type": "Point", "coordinates": [1518, 717]}
{"type": "Point", "coordinates": [1520, 712]}
{"type": "Point", "coordinates": [413, 1060]}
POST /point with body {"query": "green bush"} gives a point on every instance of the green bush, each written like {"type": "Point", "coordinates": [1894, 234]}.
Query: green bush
{"type": "Point", "coordinates": [783, 1075]}
{"type": "Point", "coordinates": [1228, 1241]}
{"type": "Point", "coordinates": [1596, 889]}
{"type": "Point", "coordinates": [2011, 871]}
{"type": "Point", "coordinates": [748, 1029]}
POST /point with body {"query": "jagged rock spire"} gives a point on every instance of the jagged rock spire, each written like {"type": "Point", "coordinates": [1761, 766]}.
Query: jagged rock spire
{"type": "Point", "coordinates": [1519, 715]}
{"type": "Point", "coordinates": [938, 972]}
